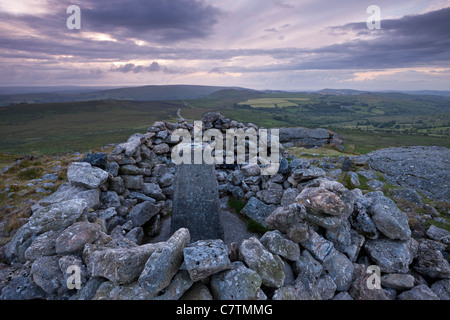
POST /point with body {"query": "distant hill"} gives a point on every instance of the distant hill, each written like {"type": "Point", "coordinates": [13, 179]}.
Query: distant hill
{"type": "Point", "coordinates": [145, 93]}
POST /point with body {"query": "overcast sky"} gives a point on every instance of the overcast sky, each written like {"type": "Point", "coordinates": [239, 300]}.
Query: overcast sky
{"type": "Point", "coordinates": [259, 44]}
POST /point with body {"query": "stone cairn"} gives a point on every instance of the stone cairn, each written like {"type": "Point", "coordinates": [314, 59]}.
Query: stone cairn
{"type": "Point", "coordinates": [325, 241]}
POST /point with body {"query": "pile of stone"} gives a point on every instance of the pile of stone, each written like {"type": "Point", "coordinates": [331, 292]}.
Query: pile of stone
{"type": "Point", "coordinates": [323, 241]}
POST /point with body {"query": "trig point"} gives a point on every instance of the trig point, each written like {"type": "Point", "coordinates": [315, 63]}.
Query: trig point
{"type": "Point", "coordinates": [196, 202]}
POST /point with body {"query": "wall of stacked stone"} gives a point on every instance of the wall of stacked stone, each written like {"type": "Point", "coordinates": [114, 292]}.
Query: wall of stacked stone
{"type": "Point", "coordinates": [325, 239]}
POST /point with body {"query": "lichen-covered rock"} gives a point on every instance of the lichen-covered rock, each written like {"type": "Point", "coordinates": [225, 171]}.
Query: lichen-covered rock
{"type": "Point", "coordinates": [397, 281]}
{"type": "Point", "coordinates": [438, 234]}
{"type": "Point", "coordinates": [431, 262]}
{"type": "Point", "coordinates": [279, 244]}
{"type": "Point", "coordinates": [340, 269]}
{"type": "Point", "coordinates": [120, 265]}
{"type": "Point", "coordinates": [290, 220]}
{"type": "Point", "coordinates": [43, 245]}
{"type": "Point", "coordinates": [68, 192]}
{"type": "Point", "coordinates": [46, 273]}
{"type": "Point", "coordinates": [419, 292]}
{"type": "Point", "coordinates": [257, 210]}
{"type": "Point", "coordinates": [164, 263]}
{"type": "Point", "coordinates": [304, 288]}
{"type": "Point", "coordinates": [267, 265]}
{"type": "Point", "coordinates": [389, 219]}
{"type": "Point", "coordinates": [111, 291]}
{"type": "Point", "coordinates": [57, 216]}
{"type": "Point", "coordinates": [237, 283]}
{"type": "Point", "coordinates": [73, 238]}
{"type": "Point", "coordinates": [392, 256]}
{"type": "Point", "coordinates": [84, 175]}
{"type": "Point", "coordinates": [142, 213]}
{"type": "Point", "coordinates": [206, 257]}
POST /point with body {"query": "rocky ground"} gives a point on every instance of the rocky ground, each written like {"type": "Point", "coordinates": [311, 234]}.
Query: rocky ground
{"type": "Point", "coordinates": [317, 229]}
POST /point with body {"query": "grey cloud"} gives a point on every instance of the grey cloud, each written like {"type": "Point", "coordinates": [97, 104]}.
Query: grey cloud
{"type": "Point", "coordinates": [163, 21]}
{"type": "Point", "coordinates": [153, 67]}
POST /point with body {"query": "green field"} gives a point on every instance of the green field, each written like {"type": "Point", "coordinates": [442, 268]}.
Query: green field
{"type": "Point", "coordinates": [368, 121]}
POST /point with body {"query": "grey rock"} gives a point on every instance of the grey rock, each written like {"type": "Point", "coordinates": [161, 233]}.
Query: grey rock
{"type": "Point", "coordinates": [15, 249]}
{"type": "Point", "coordinates": [375, 184]}
{"type": "Point", "coordinates": [431, 262]}
{"type": "Point", "coordinates": [392, 256]}
{"type": "Point", "coordinates": [388, 218]}
{"type": "Point", "coordinates": [133, 182]}
{"type": "Point", "coordinates": [181, 282]}
{"type": "Point", "coordinates": [197, 292]}
{"type": "Point", "coordinates": [46, 273]}
{"type": "Point", "coordinates": [326, 287]}
{"type": "Point", "coordinates": [111, 291]}
{"type": "Point", "coordinates": [106, 214]}
{"type": "Point", "coordinates": [88, 290]}
{"type": "Point", "coordinates": [164, 263]}
{"type": "Point", "coordinates": [300, 175]}
{"type": "Point", "coordinates": [362, 222]}
{"type": "Point", "coordinates": [99, 160]}
{"type": "Point", "coordinates": [57, 216]}
{"type": "Point", "coordinates": [43, 245]}
{"type": "Point", "coordinates": [136, 235]}
{"type": "Point", "coordinates": [153, 190]}
{"type": "Point", "coordinates": [237, 283]}
{"type": "Point", "coordinates": [268, 266]}
{"type": "Point", "coordinates": [73, 239]}
{"type": "Point", "coordinates": [113, 168]}
{"type": "Point", "coordinates": [304, 288]}
{"type": "Point", "coordinates": [438, 234]}
{"type": "Point", "coordinates": [289, 196]}
{"type": "Point", "coordinates": [120, 265]}
{"type": "Point", "coordinates": [273, 193]}
{"type": "Point", "coordinates": [22, 288]}
{"type": "Point", "coordinates": [318, 246]}
{"type": "Point", "coordinates": [142, 213]}
{"type": "Point", "coordinates": [354, 179]}
{"type": "Point", "coordinates": [84, 175]}
{"type": "Point", "coordinates": [442, 289]}
{"type": "Point", "coordinates": [340, 269]}
{"type": "Point", "coordinates": [368, 174]}
{"type": "Point", "coordinates": [290, 220]}
{"type": "Point", "coordinates": [110, 199]}
{"type": "Point", "coordinates": [257, 210]}
{"type": "Point", "coordinates": [130, 169]}
{"type": "Point", "coordinates": [132, 145]}
{"type": "Point", "coordinates": [419, 292]}
{"type": "Point", "coordinates": [162, 148]}
{"type": "Point", "coordinates": [251, 170]}
{"type": "Point", "coordinates": [280, 245]}
{"type": "Point", "coordinates": [307, 264]}
{"type": "Point", "coordinates": [398, 281]}
{"type": "Point", "coordinates": [116, 184]}
{"type": "Point", "coordinates": [408, 195]}
{"type": "Point", "coordinates": [67, 192]}
{"type": "Point", "coordinates": [425, 169]}
{"type": "Point", "coordinates": [343, 296]}
{"type": "Point", "coordinates": [205, 258]}
{"type": "Point", "coordinates": [140, 197]}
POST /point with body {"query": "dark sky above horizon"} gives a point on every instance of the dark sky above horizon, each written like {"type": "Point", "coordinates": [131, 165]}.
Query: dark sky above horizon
{"type": "Point", "coordinates": [270, 44]}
